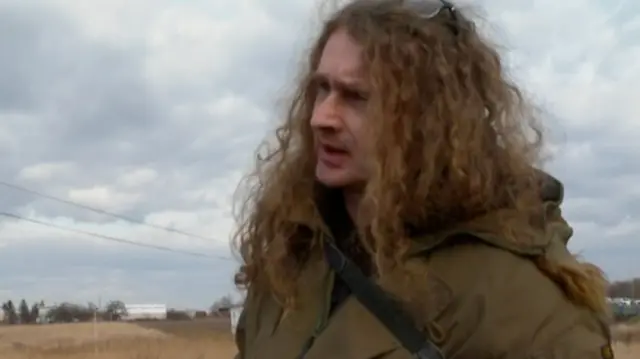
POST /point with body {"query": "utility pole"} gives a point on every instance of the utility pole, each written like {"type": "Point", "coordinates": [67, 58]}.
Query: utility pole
{"type": "Point", "coordinates": [95, 326]}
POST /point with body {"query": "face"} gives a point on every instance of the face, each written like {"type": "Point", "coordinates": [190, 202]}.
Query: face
{"type": "Point", "coordinates": [338, 118]}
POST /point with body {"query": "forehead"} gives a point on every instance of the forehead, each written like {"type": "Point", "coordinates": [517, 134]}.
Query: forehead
{"type": "Point", "coordinates": [341, 57]}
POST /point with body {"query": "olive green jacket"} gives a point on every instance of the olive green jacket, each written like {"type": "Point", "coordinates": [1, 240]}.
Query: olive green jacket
{"type": "Point", "coordinates": [480, 298]}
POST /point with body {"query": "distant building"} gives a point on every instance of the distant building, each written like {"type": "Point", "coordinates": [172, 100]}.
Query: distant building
{"type": "Point", "coordinates": [43, 312]}
{"type": "Point", "coordinates": [624, 307]}
{"type": "Point", "coordinates": [234, 313]}
{"type": "Point", "coordinates": [145, 312]}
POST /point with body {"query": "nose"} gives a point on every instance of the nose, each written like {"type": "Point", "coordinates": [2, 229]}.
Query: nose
{"type": "Point", "coordinates": [327, 114]}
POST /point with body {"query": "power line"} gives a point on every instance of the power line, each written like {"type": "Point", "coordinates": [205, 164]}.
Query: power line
{"type": "Point", "coordinates": [113, 239]}
{"type": "Point", "coordinates": [100, 211]}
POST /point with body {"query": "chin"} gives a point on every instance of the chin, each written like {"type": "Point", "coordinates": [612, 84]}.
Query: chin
{"type": "Point", "coordinates": [333, 183]}
{"type": "Point", "coordinates": [334, 178]}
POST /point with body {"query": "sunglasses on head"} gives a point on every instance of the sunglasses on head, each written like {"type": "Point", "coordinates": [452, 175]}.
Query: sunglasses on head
{"type": "Point", "coordinates": [431, 8]}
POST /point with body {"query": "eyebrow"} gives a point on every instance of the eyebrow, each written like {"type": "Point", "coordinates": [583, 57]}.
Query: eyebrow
{"type": "Point", "coordinates": [351, 84]}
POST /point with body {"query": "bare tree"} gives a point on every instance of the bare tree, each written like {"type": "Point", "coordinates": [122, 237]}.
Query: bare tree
{"type": "Point", "coordinates": [223, 303]}
{"type": "Point", "coordinates": [35, 313]}
{"type": "Point", "coordinates": [10, 314]}
{"type": "Point", "coordinates": [115, 310]}
{"type": "Point", "coordinates": [24, 313]}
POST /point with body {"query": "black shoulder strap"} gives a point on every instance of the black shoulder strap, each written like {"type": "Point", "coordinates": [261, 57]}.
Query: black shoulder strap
{"type": "Point", "coordinates": [380, 304]}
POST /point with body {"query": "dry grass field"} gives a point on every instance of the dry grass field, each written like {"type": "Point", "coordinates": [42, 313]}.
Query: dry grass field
{"type": "Point", "coordinates": [201, 339]}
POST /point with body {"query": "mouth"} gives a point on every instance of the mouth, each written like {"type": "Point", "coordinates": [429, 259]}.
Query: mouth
{"type": "Point", "coordinates": [333, 150]}
{"type": "Point", "coordinates": [331, 155]}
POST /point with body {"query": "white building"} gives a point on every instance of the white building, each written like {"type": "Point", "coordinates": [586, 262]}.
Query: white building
{"type": "Point", "coordinates": [145, 311]}
{"type": "Point", "coordinates": [43, 311]}
{"type": "Point", "coordinates": [234, 313]}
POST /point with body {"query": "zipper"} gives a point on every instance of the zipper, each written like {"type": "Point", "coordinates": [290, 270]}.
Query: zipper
{"type": "Point", "coordinates": [323, 315]}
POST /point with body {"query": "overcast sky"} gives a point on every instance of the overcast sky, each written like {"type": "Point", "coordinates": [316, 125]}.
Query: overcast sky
{"type": "Point", "coordinates": [152, 109]}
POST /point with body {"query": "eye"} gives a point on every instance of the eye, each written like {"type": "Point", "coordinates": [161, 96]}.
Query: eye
{"type": "Point", "coordinates": [322, 86]}
{"type": "Point", "coordinates": [322, 89]}
{"type": "Point", "coordinates": [354, 95]}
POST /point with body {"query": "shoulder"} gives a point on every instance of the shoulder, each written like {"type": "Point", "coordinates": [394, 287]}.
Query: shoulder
{"type": "Point", "coordinates": [504, 303]}
{"type": "Point", "coordinates": [488, 277]}
{"type": "Point", "coordinates": [469, 265]}
{"type": "Point", "coordinates": [474, 267]}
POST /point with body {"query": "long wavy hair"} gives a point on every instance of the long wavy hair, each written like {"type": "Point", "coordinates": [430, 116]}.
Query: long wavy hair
{"type": "Point", "coordinates": [454, 139]}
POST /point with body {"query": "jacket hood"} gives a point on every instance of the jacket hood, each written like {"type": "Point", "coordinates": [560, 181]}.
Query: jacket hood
{"type": "Point", "coordinates": [530, 241]}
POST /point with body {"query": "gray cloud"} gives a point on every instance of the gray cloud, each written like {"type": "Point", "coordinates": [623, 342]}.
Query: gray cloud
{"type": "Point", "coordinates": [92, 100]}
{"type": "Point", "coordinates": [89, 103]}
{"type": "Point", "coordinates": [112, 273]}
{"type": "Point", "coordinates": [68, 98]}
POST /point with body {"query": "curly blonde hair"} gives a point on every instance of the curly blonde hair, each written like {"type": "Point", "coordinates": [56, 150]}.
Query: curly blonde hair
{"type": "Point", "coordinates": [454, 139]}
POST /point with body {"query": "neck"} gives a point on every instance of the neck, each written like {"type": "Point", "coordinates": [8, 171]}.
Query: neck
{"type": "Point", "coordinates": [352, 199]}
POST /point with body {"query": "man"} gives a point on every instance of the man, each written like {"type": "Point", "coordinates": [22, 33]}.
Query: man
{"type": "Point", "coordinates": [407, 150]}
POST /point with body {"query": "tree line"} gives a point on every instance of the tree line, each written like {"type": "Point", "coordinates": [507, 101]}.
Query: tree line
{"type": "Point", "coordinates": [22, 314]}
{"type": "Point", "coordinates": [115, 310]}
{"type": "Point", "coordinates": [60, 313]}
{"type": "Point", "coordinates": [625, 289]}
